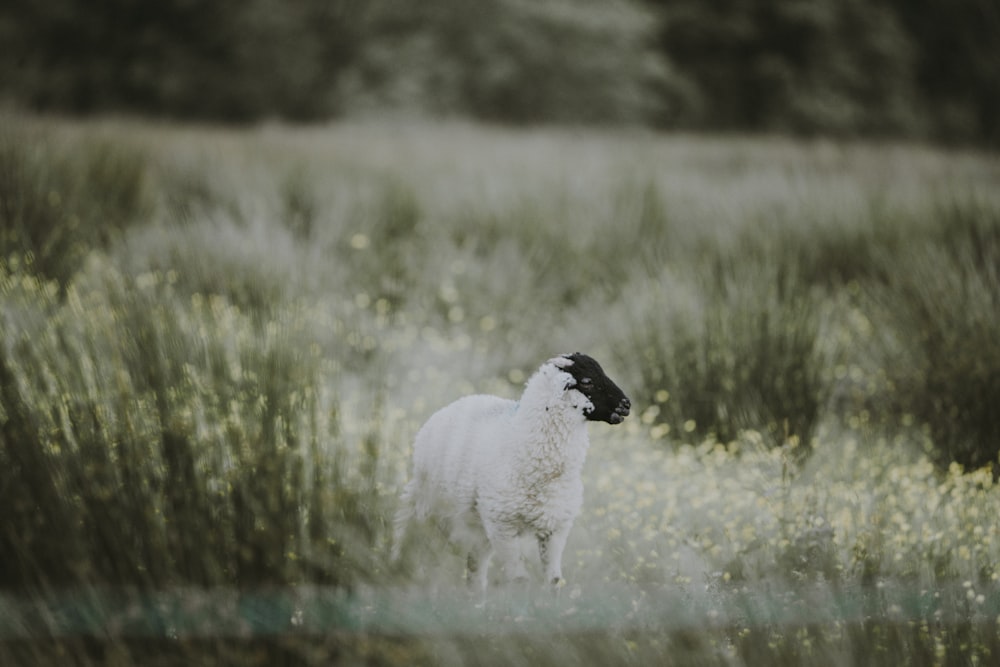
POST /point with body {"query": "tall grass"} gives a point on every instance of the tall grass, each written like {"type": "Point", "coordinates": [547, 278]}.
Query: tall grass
{"type": "Point", "coordinates": [208, 407]}
{"type": "Point", "coordinates": [944, 298]}
{"type": "Point", "coordinates": [58, 201]}
{"type": "Point", "coordinates": [733, 349]}
{"type": "Point", "coordinates": [151, 442]}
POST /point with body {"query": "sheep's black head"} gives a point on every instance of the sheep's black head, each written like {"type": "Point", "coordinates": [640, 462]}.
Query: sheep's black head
{"type": "Point", "coordinates": [610, 403]}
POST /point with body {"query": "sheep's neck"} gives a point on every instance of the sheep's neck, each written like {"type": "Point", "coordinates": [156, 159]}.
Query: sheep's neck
{"type": "Point", "coordinates": [555, 445]}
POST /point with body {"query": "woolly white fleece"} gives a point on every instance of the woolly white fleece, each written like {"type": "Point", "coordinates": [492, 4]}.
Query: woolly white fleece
{"type": "Point", "coordinates": [490, 469]}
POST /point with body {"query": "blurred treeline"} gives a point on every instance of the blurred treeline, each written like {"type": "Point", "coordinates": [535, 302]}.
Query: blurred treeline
{"type": "Point", "coordinates": [904, 68]}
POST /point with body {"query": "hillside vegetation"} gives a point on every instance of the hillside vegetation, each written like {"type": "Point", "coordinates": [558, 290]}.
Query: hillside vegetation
{"type": "Point", "coordinates": [216, 347]}
{"type": "Point", "coordinates": [914, 69]}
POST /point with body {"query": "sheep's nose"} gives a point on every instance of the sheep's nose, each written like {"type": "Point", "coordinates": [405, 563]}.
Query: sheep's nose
{"type": "Point", "coordinates": [624, 406]}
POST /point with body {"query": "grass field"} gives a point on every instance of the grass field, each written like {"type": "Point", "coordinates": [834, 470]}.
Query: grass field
{"type": "Point", "coordinates": [217, 345]}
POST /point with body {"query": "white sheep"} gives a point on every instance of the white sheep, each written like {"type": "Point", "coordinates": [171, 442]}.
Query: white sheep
{"type": "Point", "coordinates": [489, 469]}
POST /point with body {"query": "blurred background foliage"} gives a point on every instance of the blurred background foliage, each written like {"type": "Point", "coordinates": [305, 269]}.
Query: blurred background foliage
{"type": "Point", "coordinates": [917, 69]}
{"type": "Point", "coordinates": [216, 345]}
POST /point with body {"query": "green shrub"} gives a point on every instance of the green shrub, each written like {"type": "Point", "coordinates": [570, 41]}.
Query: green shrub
{"type": "Point", "coordinates": [299, 204]}
{"type": "Point", "coordinates": [733, 350]}
{"type": "Point", "coordinates": [58, 202]}
{"type": "Point", "coordinates": [189, 194]}
{"type": "Point", "coordinates": [827, 255]}
{"type": "Point", "coordinates": [943, 299]}
{"type": "Point", "coordinates": [149, 441]}
{"type": "Point", "coordinates": [252, 266]}
{"type": "Point", "coordinates": [509, 61]}
{"type": "Point", "coordinates": [385, 243]}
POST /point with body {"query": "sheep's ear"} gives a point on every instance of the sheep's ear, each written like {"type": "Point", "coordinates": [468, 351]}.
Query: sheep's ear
{"type": "Point", "coordinates": [562, 361]}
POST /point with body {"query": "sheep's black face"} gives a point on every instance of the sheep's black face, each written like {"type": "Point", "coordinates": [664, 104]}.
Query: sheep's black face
{"type": "Point", "coordinates": [610, 403]}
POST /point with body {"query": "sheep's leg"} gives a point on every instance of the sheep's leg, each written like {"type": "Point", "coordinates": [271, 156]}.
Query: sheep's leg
{"type": "Point", "coordinates": [477, 566]}
{"type": "Point", "coordinates": [509, 554]}
{"type": "Point", "coordinates": [404, 515]}
{"type": "Point", "coordinates": [550, 550]}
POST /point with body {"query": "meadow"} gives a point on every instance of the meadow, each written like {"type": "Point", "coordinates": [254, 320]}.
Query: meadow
{"type": "Point", "coordinates": [216, 346]}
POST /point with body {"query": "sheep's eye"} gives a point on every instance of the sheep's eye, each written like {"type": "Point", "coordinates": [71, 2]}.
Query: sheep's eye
{"type": "Point", "coordinates": [586, 382]}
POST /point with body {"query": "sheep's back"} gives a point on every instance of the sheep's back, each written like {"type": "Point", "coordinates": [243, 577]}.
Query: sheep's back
{"type": "Point", "coordinates": [455, 445]}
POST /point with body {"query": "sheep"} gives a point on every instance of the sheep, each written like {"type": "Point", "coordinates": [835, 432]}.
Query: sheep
{"type": "Point", "coordinates": [489, 470]}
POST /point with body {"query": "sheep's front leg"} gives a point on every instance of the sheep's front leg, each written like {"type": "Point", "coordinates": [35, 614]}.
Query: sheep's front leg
{"type": "Point", "coordinates": [550, 549]}
{"type": "Point", "coordinates": [477, 566]}
{"type": "Point", "coordinates": [509, 556]}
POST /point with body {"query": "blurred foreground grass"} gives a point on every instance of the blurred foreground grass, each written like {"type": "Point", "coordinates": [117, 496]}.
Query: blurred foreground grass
{"type": "Point", "coordinates": [217, 346]}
